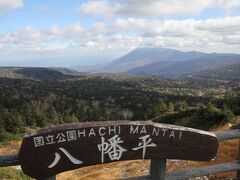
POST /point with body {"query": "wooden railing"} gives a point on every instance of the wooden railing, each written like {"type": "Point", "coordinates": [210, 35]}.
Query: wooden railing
{"type": "Point", "coordinates": [158, 169]}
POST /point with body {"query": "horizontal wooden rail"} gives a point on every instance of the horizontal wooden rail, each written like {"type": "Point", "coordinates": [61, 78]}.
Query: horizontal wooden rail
{"type": "Point", "coordinates": [228, 135]}
{"type": "Point", "coordinates": [205, 171]}
{"type": "Point", "coordinates": [197, 172]}
{"type": "Point", "coordinates": [9, 160]}
{"type": "Point", "coordinates": [12, 160]}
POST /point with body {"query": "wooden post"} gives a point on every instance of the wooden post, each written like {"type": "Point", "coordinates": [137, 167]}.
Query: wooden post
{"type": "Point", "coordinates": [158, 169]}
{"type": "Point", "coordinates": [50, 178]}
{"type": "Point", "coordinates": [238, 172]}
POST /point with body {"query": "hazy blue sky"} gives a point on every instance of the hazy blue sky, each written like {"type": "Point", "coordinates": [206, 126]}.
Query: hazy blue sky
{"type": "Point", "coordinates": [81, 32]}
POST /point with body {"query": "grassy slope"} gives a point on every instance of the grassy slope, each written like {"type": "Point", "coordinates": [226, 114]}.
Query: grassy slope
{"type": "Point", "coordinates": [11, 173]}
{"type": "Point", "coordinates": [14, 172]}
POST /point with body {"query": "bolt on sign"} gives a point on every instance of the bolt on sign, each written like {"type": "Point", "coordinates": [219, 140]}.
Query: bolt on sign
{"type": "Point", "coordinates": [70, 146]}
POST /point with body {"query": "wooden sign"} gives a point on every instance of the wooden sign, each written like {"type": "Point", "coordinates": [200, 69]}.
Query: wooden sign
{"type": "Point", "coordinates": [66, 147]}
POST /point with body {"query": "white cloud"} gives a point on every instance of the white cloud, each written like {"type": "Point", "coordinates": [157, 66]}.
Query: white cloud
{"type": "Point", "coordinates": [96, 7]}
{"type": "Point", "coordinates": [226, 4]}
{"type": "Point", "coordinates": [127, 24]}
{"type": "Point", "coordinates": [152, 7]}
{"type": "Point", "coordinates": [221, 25]}
{"type": "Point", "coordinates": [162, 8]}
{"type": "Point", "coordinates": [121, 35]}
{"type": "Point", "coordinates": [6, 5]}
{"type": "Point", "coordinates": [22, 36]}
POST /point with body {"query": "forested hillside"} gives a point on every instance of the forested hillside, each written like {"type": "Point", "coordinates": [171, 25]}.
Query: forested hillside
{"type": "Point", "coordinates": [39, 97]}
{"type": "Point", "coordinates": [228, 73]}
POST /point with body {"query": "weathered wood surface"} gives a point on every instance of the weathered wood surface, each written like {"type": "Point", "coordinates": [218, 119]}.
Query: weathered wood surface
{"type": "Point", "coordinates": [238, 172]}
{"type": "Point", "coordinates": [65, 147]}
{"type": "Point", "coordinates": [49, 178]}
{"type": "Point", "coordinates": [9, 160]}
{"type": "Point", "coordinates": [228, 135]}
{"type": "Point", "coordinates": [197, 172]}
{"type": "Point", "coordinates": [158, 169]}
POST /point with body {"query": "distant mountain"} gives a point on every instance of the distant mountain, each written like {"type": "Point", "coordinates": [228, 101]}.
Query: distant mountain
{"type": "Point", "coordinates": [168, 63]}
{"type": "Point", "coordinates": [39, 73]}
{"type": "Point", "coordinates": [141, 57]}
{"type": "Point", "coordinates": [177, 69]}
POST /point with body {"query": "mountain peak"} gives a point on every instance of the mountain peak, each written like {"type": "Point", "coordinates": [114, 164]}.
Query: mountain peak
{"type": "Point", "coordinates": [168, 63]}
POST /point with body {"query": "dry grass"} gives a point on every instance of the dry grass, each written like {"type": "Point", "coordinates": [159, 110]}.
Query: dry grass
{"type": "Point", "coordinates": [108, 171]}
{"type": "Point", "coordinates": [227, 152]}
{"type": "Point", "coordinates": [11, 148]}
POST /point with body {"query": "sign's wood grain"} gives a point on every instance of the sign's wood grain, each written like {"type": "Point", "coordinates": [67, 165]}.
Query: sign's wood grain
{"type": "Point", "coordinates": [65, 147]}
